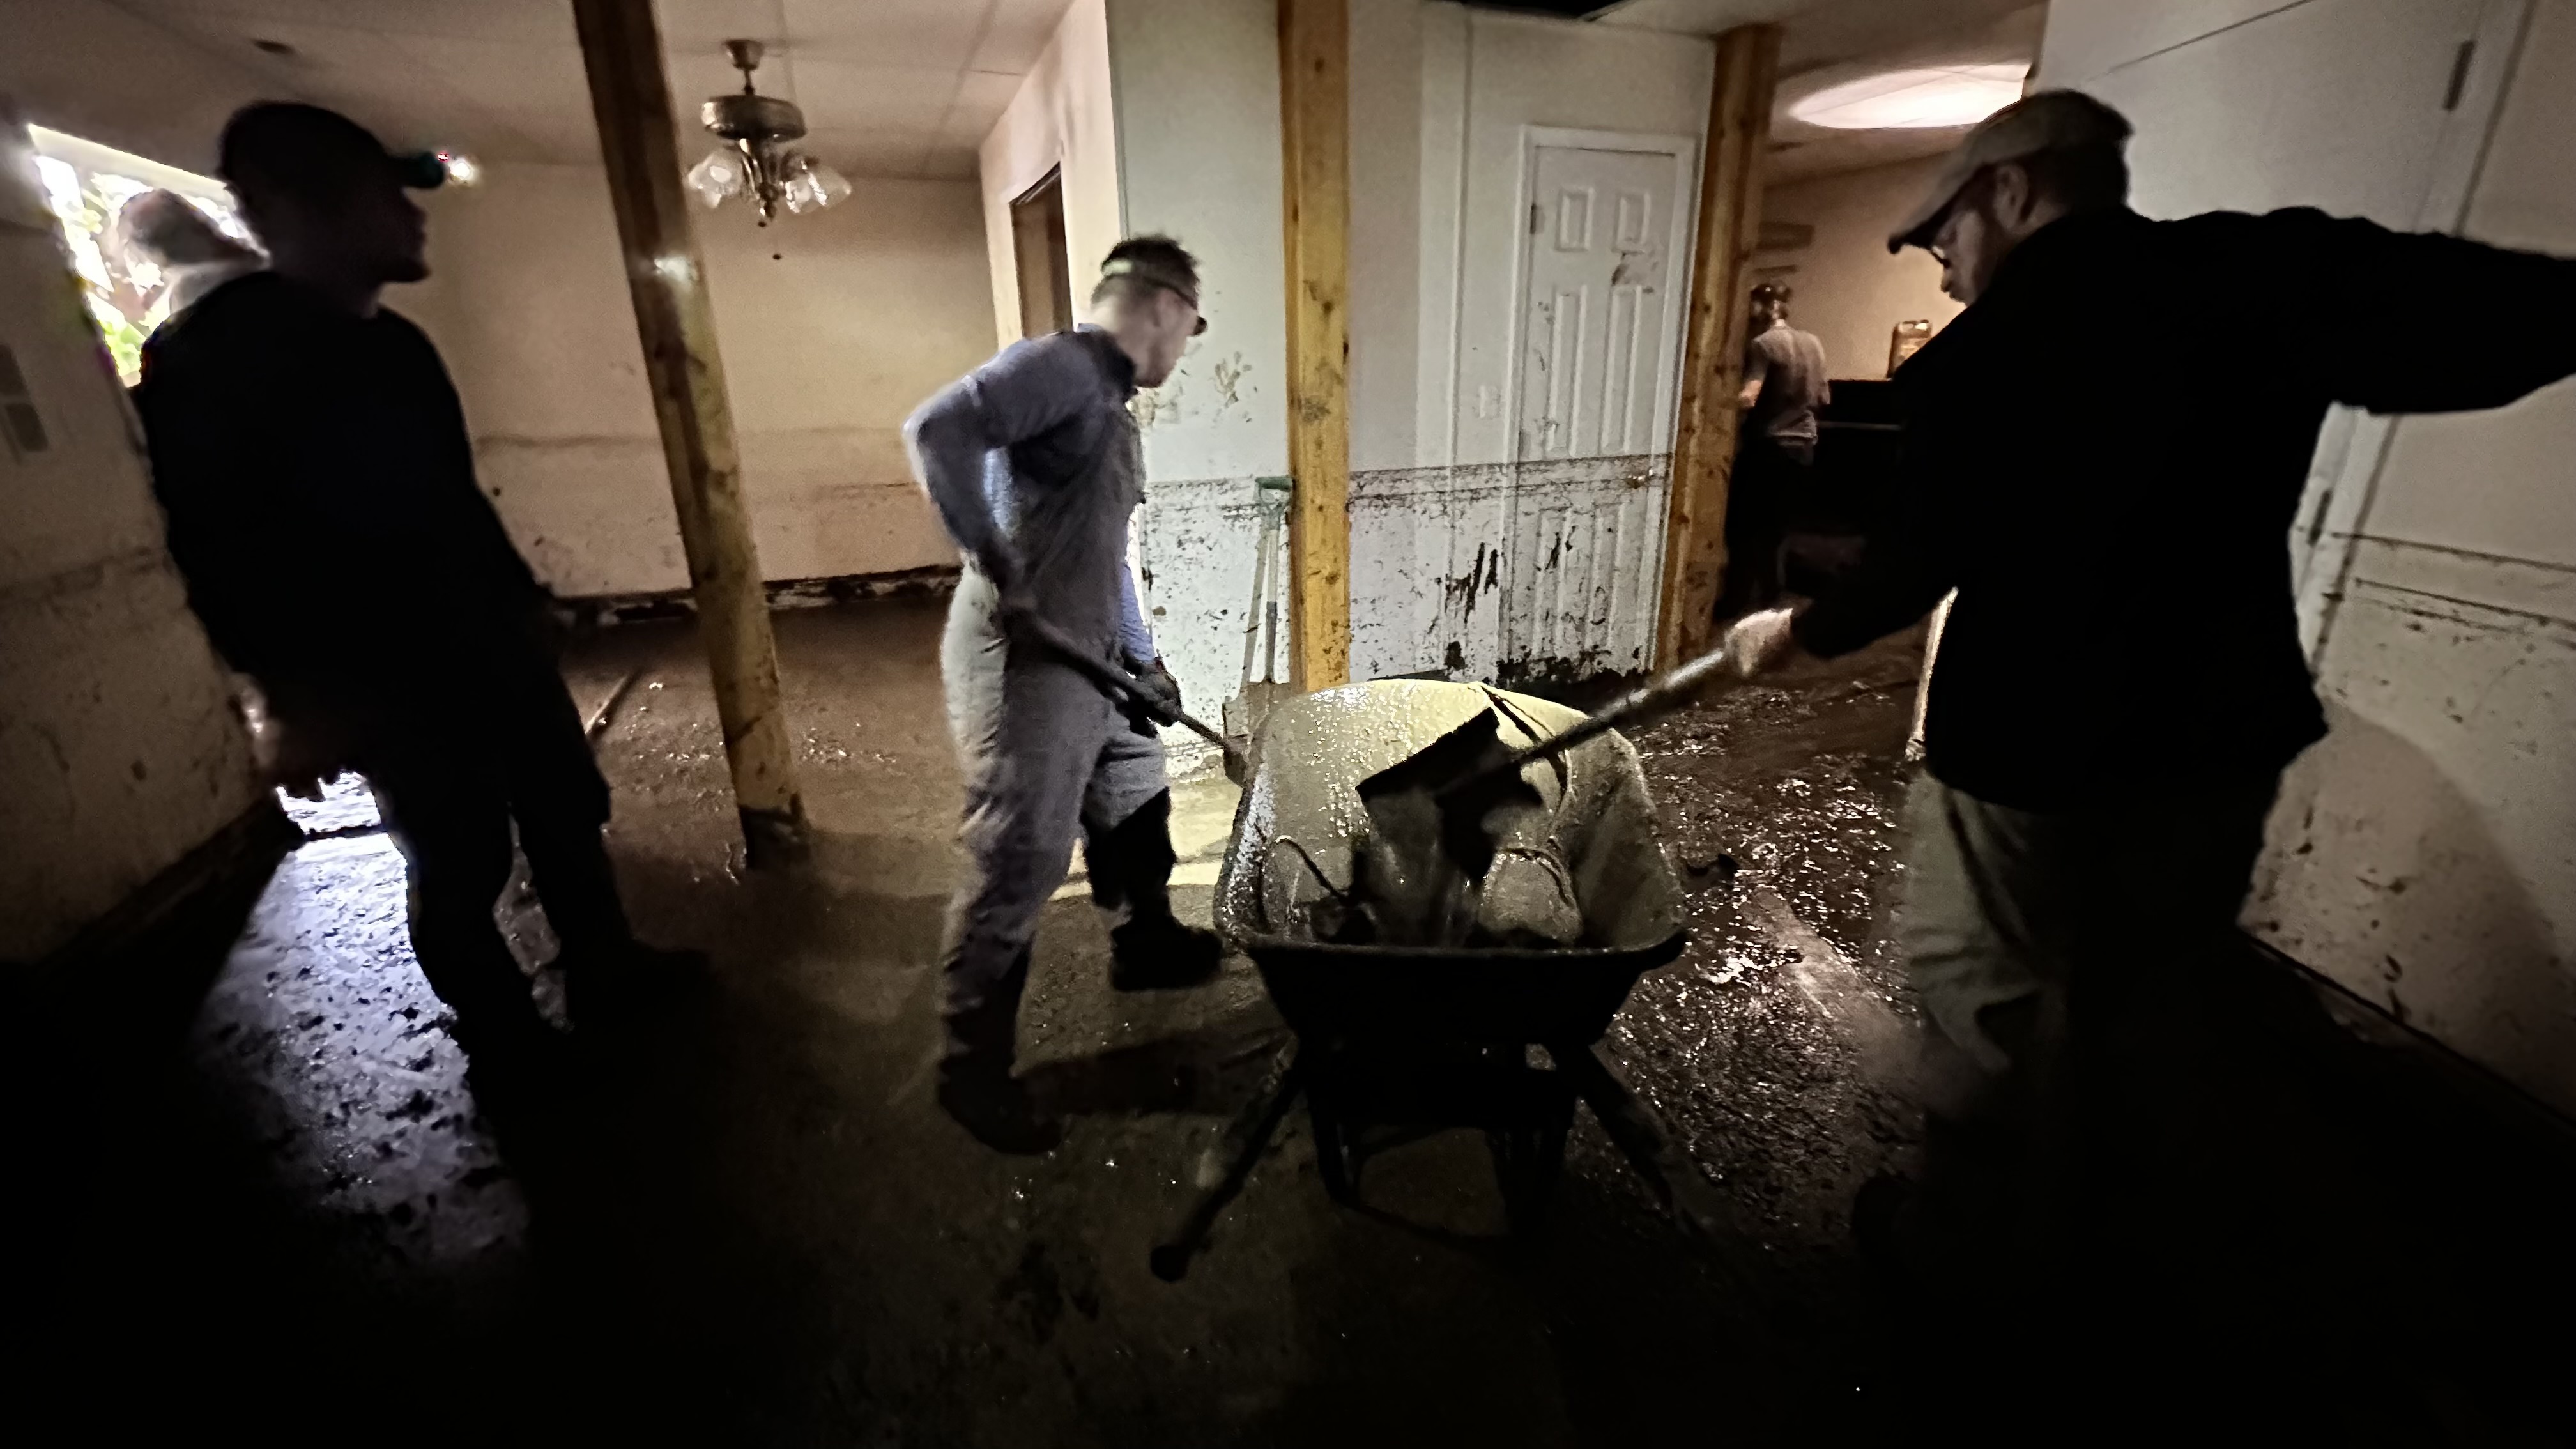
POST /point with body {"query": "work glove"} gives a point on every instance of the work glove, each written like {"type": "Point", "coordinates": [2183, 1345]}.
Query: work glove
{"type": "Point", "coordinates": [1158, 699]}
{"type": "Point", "coordinates": [1759, 643]}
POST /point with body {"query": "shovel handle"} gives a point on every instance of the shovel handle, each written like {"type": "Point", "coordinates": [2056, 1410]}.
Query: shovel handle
{"type": "Point", "coordinates": [1656, 695]}
{"type": "Point", "coordinates": [1112, 680]}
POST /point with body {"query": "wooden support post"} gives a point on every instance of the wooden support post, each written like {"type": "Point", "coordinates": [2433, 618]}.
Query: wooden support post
{"type": "Point", "coordinates": [1314, 127]}
{"type": "Point", "coordinates": [621, 49]}
{"type": "Point", "coordinates": [1730, 224]}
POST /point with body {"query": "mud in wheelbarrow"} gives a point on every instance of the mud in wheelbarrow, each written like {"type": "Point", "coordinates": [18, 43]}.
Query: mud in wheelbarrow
{"type": "Point", "coordinates": [1392, 1042]}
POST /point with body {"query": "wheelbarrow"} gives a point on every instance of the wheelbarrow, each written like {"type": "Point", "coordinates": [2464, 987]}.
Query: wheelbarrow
{"type": "Point", "coordinates": [1392, 1042]}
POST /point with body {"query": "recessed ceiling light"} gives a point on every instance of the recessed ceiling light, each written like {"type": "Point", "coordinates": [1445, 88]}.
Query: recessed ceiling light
{"type": "Point", "coordinates": [273, 47]}
{"type": "Point", "coordinates": [1911, 99]}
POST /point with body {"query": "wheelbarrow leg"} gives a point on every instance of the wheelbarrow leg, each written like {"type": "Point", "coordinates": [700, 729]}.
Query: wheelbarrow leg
{"type": "Point", "coordinates": [1529, 1154]}
{"type": "Point", "coordinates": [1689, 1196]}
{"type": "Point", "coordinates": [1228, 1163]}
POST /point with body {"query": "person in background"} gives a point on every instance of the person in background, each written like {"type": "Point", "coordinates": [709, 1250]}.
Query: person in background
{"type": "Point", "coordinates": [192, 254]}
{"type": "Point", "coordinates": [2121, 681]}
{"type": "Point", "coordinates": [1034, 465]}
{"type": "Point", "coordinates": [312, 459]}
{"type": "Point", "coordinates": [1775, 450]}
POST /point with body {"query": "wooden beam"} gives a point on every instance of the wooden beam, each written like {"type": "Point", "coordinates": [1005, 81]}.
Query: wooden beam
{"type": "Point", "coordinates": [621, 49]}
{"type": "Point", "coordinates": [1314, 126]}
{"type": "Point", "coordinates": [1730, 226]}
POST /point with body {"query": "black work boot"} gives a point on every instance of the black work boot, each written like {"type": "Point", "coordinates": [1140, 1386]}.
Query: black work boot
{"type": "Point", "coordinates": [1131, 877]}
{"type": "Point", "coordinates": [1158, 953]}
{"type": "Point", "coordinates": [976, 1086]}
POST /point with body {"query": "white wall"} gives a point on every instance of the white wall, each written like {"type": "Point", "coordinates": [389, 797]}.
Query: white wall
{"type": "Point", "coordinates": [833, 327]}
{"type": "Point", "coordinates": [1848, 290]}
{"type": "Point", "coordinates": [1062, 117]}
{"type": "Point", "coordinates": [119, 752]}
{"type": "Point", "coordinates": [2425, 854]}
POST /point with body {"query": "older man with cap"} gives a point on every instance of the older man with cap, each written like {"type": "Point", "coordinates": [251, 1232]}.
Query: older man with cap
{"type": "Point", "coordinates": [1033, 462]}
{"type": "Point", "coordinates": [313, 462]}
{"type": "Point", "coordinates": [2121, 681]}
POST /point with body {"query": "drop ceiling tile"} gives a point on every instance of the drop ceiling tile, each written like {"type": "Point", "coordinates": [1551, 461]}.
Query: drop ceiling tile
{"type": "Point", "coordinates": [707, 24]}
{"type": "Point", "coordinates": [930, 33]}
{"type": "Point", "coordinates": [502, 75]}
{"type": "Point", "coordinates": [536, 20]}
{"type": "Point", "coordinates": [842, 97]}
{"type": "Point", "coordinates": [876, 152]}
{"type": "Point", "coordinates": [1017, 35]}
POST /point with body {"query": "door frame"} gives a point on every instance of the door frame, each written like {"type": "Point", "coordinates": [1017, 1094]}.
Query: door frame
{"type": "Point", "coordinates": [1683, 228]}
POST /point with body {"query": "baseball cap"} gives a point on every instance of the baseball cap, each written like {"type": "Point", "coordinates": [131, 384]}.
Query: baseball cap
{"type": "Point", "coordinates": [2040, 121]}
{"type": "Point", "coordinates": [293, 147]}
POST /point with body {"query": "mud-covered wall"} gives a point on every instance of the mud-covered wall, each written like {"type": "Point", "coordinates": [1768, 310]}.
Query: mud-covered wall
{"type": "Point", "coordinates": [1847, 289]}
{"type": "Point", "coordinates": [833, 327]}
{"type": "Point", "coordinates": [1199, 156]}
{"type": "Point", "coordinates": [2425, 854]}
{"type": "Point", "coordinates": [1465, 559]}
{"type": "Point", "coordinates": [119, 751]}
{"type": "Point", "coordinates": [1441, 511]}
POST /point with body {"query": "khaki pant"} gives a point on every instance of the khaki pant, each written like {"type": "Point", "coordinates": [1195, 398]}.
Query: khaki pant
{"type": "Point", "coordinates": [2018, 924]}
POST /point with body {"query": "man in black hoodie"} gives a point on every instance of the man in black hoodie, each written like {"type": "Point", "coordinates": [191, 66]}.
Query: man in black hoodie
{"type": "Point", "coordinates": [2121, 681]}
{"type": "Point", "coordinates": [313, 461]}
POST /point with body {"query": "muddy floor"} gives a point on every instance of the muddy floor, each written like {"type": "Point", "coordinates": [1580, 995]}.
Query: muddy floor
{"type": "Point", "coordinates": [295, 1214]}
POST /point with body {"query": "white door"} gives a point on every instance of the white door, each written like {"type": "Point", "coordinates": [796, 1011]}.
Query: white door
{"type": "Point", "coordinates": [1598, 365]}
{"type": "Point", "coordinates": [2358, 107]}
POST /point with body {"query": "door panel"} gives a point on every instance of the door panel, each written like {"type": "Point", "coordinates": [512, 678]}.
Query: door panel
{"type": "Point", "coordinates": [1597, 372]}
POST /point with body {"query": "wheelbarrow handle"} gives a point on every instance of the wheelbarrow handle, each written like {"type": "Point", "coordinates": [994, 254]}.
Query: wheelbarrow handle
{"type": "Point", "coordinates": [1114, 681]}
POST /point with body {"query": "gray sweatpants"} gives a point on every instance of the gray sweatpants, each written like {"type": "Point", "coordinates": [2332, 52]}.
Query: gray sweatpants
{"type": "Point", "coordinates": [1045, 754]}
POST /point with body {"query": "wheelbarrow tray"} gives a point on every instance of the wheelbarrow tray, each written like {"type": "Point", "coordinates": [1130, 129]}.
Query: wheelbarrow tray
{"type": "Point", "coordinates": [1426, 994]}
{"type": "Point", "coordinates": [1295, 828]}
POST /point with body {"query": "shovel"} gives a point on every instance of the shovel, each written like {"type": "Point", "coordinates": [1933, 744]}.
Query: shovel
{"type": "Point", "coordinates": [1442, 795]}
{"type": "Point", "coordinates": [1117, 683]}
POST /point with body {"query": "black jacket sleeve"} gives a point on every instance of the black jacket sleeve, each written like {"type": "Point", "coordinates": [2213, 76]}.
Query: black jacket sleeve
{"type": "Point", "coordinates": [2478, 326]}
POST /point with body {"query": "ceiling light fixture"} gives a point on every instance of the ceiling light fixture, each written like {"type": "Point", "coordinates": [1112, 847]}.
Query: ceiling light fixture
{"type": "Point", "coordinates": [754, 160]}
{"type": "Point", "coordinates": [1914, 99]}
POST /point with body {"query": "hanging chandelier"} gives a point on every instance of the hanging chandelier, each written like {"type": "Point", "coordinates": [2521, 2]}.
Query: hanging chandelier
{"type": "Point", "coordinates": [753, 159]}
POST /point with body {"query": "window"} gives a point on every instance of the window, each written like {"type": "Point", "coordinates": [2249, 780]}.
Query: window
{"type": "Point", "coordinates": [86, 185]}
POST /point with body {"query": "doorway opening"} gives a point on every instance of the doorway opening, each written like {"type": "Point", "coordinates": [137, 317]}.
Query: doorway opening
{"type": "Point", "coordinates": [1045, 267]}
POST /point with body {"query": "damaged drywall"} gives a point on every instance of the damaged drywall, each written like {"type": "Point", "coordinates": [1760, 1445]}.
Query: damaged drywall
{"type": "Point", "coordinates": [119, 750]}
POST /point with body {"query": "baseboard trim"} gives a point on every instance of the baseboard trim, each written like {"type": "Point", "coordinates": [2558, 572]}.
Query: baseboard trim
{"type": "Point", "coordinates": [934, 582]}
{"type": "Point", "coordinates": [2374, 1026]}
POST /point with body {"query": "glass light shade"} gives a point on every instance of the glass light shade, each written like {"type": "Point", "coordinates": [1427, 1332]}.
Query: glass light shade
{"type": "Point", "coordinates": [810, 185]}
{"type": "Point", "coordinates": [721, 175]}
